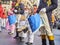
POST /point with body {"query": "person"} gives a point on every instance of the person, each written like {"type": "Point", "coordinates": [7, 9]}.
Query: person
{"type": "Point", "coordinates": [1, 14]}
{"type": "Point", "coordinates": [4, 17]}
{"type": "Point", "coordinates": [45, 8]}
{"type": "Point", "coordinates": [53, 20]}
{"type": "Point", "coordinates": [20, 9]}
{"type": "Point", "coordinates": [11, 21]}
{"type": "Point", "coordinates": [30, 34]}
{"type": "Point", "coordinates": [21, 32]}
{"type": "Point", "coordinates": [13, 4]}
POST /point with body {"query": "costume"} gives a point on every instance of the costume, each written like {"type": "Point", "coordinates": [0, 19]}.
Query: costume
{"type": "Point", "coordinates": [46, 7]}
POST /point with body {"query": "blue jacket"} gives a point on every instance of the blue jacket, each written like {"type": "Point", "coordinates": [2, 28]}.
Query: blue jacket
{"type": "Point", "coordinates": [49, 9]}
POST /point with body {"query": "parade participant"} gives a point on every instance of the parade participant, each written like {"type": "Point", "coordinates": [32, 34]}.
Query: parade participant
{"type": "Point", "coordinates": [34, 24]}
{"type": "Point", "coordinates": [11, 20]}
{"type": "Point", "coordinates": [53, 20]}
{"type": "Point", "coordinates": [21, 31]}
{"type": "Point", "coordinates": [46, 7]}
{"type": "Point", "coordinates": [20, 11]}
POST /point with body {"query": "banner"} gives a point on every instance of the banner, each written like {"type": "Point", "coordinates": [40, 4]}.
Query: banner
{"type": "Point", "coordinates": [12, 19]}
{"type": "Point", "coordinates": [35, 22]}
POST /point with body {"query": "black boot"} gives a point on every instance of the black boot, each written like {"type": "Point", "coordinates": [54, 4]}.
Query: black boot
{"type": "Point", "coordinates": [21, 39]}
{"type": "Point", "coordinates": [51, 42]}
{"type": "Point", "coordinates": [17, 34]}
{"type": "Point", "coordinates": [28, 43]}
{"type": "Point", "coordinates": [43, 41]}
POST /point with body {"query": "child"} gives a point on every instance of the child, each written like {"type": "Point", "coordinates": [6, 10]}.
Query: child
{"type": "Point", "coordinates": [12, 21]}
{"type": "Point", "coordinates": [30, 34]}
{"type": "Point", "coordinates": [23, 23]}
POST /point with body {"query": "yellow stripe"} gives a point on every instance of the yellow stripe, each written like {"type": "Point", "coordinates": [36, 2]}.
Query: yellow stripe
{"type": "Point", "coordinates": [51, 37]}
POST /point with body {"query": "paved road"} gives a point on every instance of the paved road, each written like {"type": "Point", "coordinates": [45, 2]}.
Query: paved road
{"type": "Point", "coordinates": [6, 39]}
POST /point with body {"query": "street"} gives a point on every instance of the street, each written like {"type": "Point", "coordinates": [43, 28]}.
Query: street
{"type": "Point", "coordinates": [6, 39]}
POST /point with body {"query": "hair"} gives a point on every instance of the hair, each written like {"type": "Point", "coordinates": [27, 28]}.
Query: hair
{"type": "Point", "coordinates": [35, 5]}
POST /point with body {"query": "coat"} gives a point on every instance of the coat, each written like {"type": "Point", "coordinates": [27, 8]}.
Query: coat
{"type": "Point", "coordinates": [49, 9]}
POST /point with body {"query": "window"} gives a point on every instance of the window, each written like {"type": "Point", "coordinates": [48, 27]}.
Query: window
{"type": "Point", "coordinates": [5, 1]}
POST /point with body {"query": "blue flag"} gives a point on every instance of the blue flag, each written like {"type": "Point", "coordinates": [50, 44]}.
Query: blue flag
{"type": "Point", "coordinates": [12, 19]}
{"type": "Point", "coordinates": [35, 22]}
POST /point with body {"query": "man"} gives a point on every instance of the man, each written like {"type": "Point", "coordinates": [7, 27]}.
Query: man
{"type": "Point", "coordinates": [46, 7]}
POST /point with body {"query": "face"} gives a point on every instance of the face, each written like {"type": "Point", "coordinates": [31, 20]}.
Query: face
{"type": "Point", "coordinates": [44, 0]}
{"type": "Point", "coordinates": [34, 9]}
